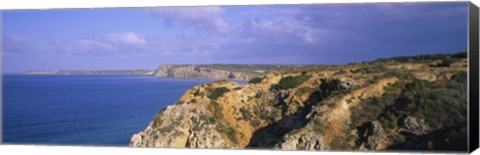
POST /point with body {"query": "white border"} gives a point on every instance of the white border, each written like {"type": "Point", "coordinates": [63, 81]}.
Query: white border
{"type": "Point", "coordinates": [74, 150]}
{"type": "Point", "coordinates": [49, 4]}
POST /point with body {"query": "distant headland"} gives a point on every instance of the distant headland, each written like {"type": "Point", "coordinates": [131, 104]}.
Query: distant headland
{"type": "Point", "coordinates": [203, 71]}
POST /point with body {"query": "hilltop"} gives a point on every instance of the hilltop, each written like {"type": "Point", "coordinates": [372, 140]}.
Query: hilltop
{"type": "Point", "coordinates": [214, 71]}
{"type": "Point", "coordinates": [416, 102]}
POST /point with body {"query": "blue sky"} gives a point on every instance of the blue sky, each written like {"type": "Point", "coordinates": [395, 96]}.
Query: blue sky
{"type": "Point", "coordinates": [143, 38]}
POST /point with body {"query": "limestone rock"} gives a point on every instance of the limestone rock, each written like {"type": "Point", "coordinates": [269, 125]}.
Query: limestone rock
{"type": "Point", "coordinates": [314, 115]}
{"type": "Point", "coordinates": [376, 137]}
{"type": "Point", "coordinates": [414, 126]}
{"type": "Point", "coordinates": [306, 142]}
{"type": "Point", "coordinates": [198, 72]}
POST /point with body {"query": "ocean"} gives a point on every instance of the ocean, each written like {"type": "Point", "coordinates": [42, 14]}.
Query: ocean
{"type": "Point", "coordinates": [100, 110]}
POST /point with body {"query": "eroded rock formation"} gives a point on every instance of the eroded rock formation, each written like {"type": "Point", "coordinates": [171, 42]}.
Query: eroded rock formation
{"type": "Point", "coordinates": [315, 114]}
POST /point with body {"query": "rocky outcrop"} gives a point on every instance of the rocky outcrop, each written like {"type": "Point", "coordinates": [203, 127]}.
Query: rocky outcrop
{"type": "Point", "coordinates": [414, 126]}
{"type": "Point", "coordinates": [375, 137]}
{"type": "Point", "coordinates": [329, 123]}
{"type": "Point", "coordinates": [315, 114]}
{"type": "Point", "coordinates": [254, 115]}
{"type": "Point", "coordinates": [199, 72]}
{"type": "Point", "coordinates": [200, 121]}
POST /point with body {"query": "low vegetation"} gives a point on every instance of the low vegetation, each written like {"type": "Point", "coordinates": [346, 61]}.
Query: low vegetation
{"type": "Point", "coordinates": [424, 58]}
{"type": "Point", "coordinates": [291, 82]}
{"type": "Point", "coordinates": [216, 109]}
{"type": "Point", "coordinates": [356, 106]}
{"type": "Point", "coordinates": [217, 93]}
{"type": "Point", "coordinates": [441, 105]}
{"type": "Point", "coordinates": [376, 68]}
{"type": "Point", "coordinates": [255, 80]}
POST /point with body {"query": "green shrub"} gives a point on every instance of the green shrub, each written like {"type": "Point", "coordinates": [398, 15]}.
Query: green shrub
{"type": "Point", "coordinates": [220, 127]}
{"type": "Point", "coordinates": [291, 82]}
{"type": "Point", "coordinates": [166, 129]}
{"type": "Point", "coordinates": [318, 125]}
{"type": "Point", "coordinates": [216, 109]}
{"type": "Point", "coordinates": [442, 104]}
{"type": "Point", "coordinates": [212, 120]}
{"type": "Point", "coordinates": [422, 58]}
{"type": "Point", "coordinates": [193, 100]}
{"type": "Point", "coordinates": [304, 90]}
{"type": "Point", "coordinates": [179, 102]}
{"type": "Point", "coordinates": [217, 93]}
{"type": "Point", "coordinates": [418, 84]}
{"type": "Point", "coordinates": [460, 77]}
{"type": "Point", "coordinates": [231, 134]}
{"type": "Point", "coordinates": [372, 81]}
{"type": "Point", "coordinates": [448, 99]}
{"type": "Point", "coordinates": [255, 123]}
{"type": "Point", "coordinates": [376, 68]}
{"type": "Point", "coordinates": [255, 80]}
{"type": "Point", "coordinates": [446, 62]}
{"type": "Point", "coordinates": [401, 74]}
{"type": "Point", "coordinates": [237, 88]}
{"type": "Point", "coordinates": [258, 94]}
{"type": "Point", "coordinates": [342, 71]}
{"type": "Point", "coordinates": [229, 131]}
{"type": "Point", "coordinates": [246, 115]}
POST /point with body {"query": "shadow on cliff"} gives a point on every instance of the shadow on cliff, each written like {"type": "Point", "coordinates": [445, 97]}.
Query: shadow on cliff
{"type": "Point", "coordinates": [449, 139]}
{"type": "Point", "coordinates": [272, 134]}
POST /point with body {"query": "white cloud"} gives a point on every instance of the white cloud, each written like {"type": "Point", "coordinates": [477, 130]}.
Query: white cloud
{"type": "Point", "coordinates": [280, 30]}
{"type": "Point", "coordinates": [16, 44]}
{"type": "Point", "coordinates": [127, 38]}
{"type": "Point", "coordinates": [95, 45]}
{"type": "Point", "coordinates": [247, 34]}
{"type": "Point", "coordinates": [115, 42]}
{"type": "Point", "coordinates": [200, 18]}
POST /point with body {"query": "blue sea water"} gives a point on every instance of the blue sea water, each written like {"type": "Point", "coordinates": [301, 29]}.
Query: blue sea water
{"type": "Point", "coordinates": [84, 109]}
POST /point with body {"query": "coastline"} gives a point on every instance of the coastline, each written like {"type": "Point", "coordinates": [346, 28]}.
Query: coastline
{"type": "Point", "coordinates": [54, 74]}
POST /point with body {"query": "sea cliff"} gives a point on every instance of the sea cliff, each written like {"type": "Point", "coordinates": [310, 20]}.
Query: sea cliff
{"type": "Point", "coordinates": [386, 104]}
{"type": "Point", "coordinates": [242, 72]}
{"type": "Point", "coordinates": [200, 72]}
{"type": "Point", "coordinates": [93, 72]}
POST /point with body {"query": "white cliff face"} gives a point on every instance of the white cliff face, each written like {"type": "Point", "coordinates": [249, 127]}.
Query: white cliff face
{"type": "Point", "coordinates": [198, 72]}
{"type": "Point", "coordinates": [163, 71]}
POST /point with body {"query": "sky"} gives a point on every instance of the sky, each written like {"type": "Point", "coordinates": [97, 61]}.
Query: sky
{"type": "Point", "coordinates": [144, 38]}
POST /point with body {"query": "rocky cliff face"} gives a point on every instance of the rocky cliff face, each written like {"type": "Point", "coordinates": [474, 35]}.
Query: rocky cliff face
{"type": "Point", "coordinates": [199, 72]}
{"type": "Point", "coordinates": [316, 110]}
